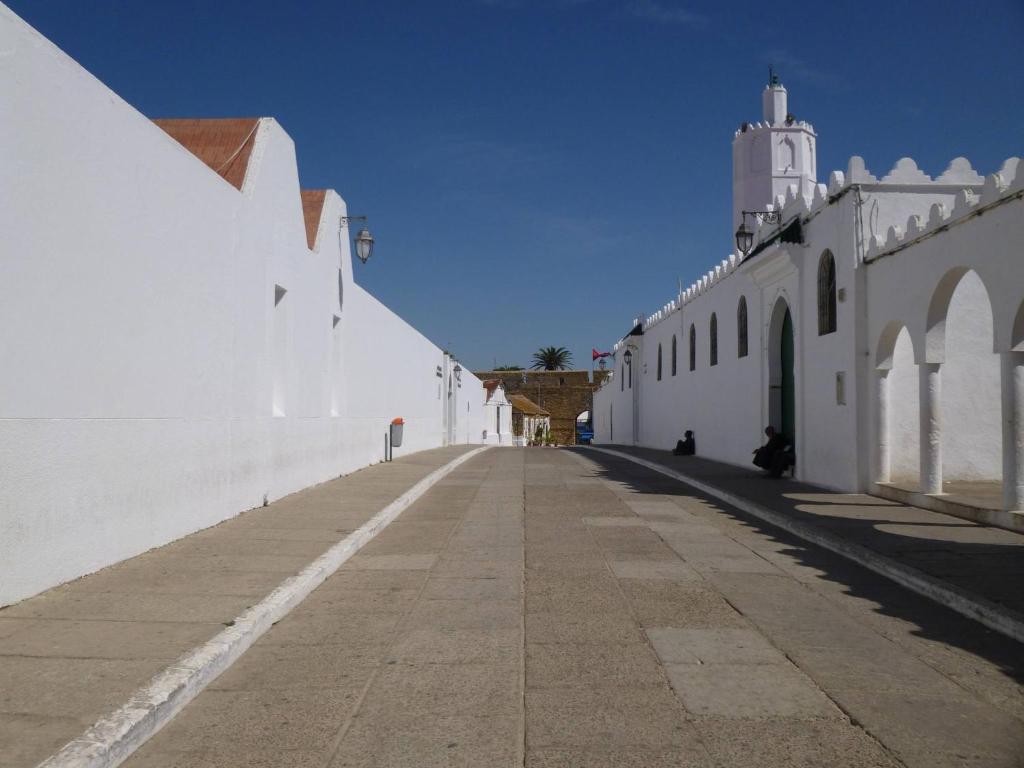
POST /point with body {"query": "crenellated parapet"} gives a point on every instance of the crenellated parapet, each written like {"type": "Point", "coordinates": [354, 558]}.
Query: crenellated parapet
{"type": "Point", "coordinates": [806, 199]}
{"type": "Point", "coordinates": [1009, 180]}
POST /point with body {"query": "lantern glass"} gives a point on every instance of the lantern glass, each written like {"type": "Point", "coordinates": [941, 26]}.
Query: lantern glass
{"type": "Point", "coordinates": [628, 357]}
{"type": "Point", "coordinates": [364, 245]}
{"type": "Point", "coordinates": [744, 238]}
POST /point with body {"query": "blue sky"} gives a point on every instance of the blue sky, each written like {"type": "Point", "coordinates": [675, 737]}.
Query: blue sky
{"type": "Point", "coordinates": [537, 172]}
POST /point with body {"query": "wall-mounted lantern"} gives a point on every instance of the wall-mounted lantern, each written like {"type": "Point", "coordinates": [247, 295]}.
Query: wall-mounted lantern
{"type": "Point", "coordinates": [744, 237]}
{"type": "Point", "coordinates": [363, 238]}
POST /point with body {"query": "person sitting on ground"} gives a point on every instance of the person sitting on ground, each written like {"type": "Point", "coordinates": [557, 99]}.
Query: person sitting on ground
{"type": "Point", "coordinates": [687, 447]}
{"type": "Point", "coordinates": [772, 455]}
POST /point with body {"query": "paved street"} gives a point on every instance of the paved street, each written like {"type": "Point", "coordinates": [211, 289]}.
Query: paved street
{"type": "Point", "coordinates": [552, 608]}
{"type": "Point", "coordinates": [74, 653]}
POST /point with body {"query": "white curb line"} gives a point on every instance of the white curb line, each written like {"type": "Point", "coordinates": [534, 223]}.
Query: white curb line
{"type": "Point", "coordinates": [990, 614]}
{"type": "Point", "coordinates": [115, 737]}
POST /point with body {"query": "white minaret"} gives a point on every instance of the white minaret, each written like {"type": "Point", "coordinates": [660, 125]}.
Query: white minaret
{"type": "Point", "coordinates": [769, 156]}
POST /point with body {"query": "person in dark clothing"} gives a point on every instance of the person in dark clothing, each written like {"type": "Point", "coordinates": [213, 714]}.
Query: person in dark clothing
{"type": "Point", "coordinates": [687, 447]}
{"type": "Point", "coordinates": [774, 456]}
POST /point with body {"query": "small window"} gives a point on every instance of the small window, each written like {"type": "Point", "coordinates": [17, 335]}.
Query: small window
{"type": "Point", "coordinates": [713, 334]}
{"type": "Point", "coordinates": [741, 328]}
{"type": "Point", "coordinates": [693, 348]}
{"type": "Point", "coordinates": [659, 362]}
{"type": "Point", "coordinates": [826, 294]}
{"type": "Point", "coordinates": [673, 354]}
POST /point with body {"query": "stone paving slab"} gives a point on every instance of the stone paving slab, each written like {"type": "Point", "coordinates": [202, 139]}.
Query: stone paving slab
{"type": "Point", "coordinates": [73, 653]}
{"type": "Point", "coordinates": [981, 559]}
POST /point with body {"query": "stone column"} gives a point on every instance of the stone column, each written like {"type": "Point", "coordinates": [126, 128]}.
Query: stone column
{"type": "Point", "coordinates": [1013, 429]}
{"type": "Point", "coordinates": [882, 460]}
{"type": "Point", "coordinates": [931, 426]}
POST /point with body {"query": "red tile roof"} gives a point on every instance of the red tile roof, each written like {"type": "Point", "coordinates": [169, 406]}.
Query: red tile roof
{"type": "Point", "coordinates": [312, 206]}
{"type": "Point", "coordinates": [490, 385]}
{"type": "Point", "coordinates": [525, 405]}
{"type": "Point", "coordinates": [223, 144]}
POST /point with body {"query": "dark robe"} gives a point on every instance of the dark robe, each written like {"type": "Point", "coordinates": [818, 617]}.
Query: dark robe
{"type": "Point", "coordinates": [766, 456]}
{"type": "Point", "coordinates": [687, 447]}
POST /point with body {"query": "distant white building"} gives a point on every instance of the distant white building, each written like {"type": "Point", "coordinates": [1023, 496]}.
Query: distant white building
{"type": "Point", "coordinates": [497, 414]}
{"type": "Point", "coordinates": [530, 422]}
{"type": "Point", "coordinates": [878, 322]}
{"type": "Point", "coordinates": [181, 334]}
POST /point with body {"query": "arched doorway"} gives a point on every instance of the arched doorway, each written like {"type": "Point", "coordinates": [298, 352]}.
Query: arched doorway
{"type": "Point", "coordinates": [781, 378]}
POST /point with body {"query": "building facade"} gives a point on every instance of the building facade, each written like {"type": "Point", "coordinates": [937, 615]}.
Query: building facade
{"type": "Point", "coordinates": [877, 322]}
{"type": "Point", "coordinates": [183, 335]}
{"type": "Point", "coordinates": [564, 395]}
{"type": "Point", "coordinates": [530, 422]}
{"type": "Point", "coordinates": [497, 414]}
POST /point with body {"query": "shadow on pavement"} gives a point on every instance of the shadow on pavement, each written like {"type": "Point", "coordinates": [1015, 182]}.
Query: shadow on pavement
{"type": "Point", "coordinates": [986, 561]}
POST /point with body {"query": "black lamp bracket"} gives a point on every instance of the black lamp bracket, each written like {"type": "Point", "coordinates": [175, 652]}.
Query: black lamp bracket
{"type": "Point", "coordinates": [765, 217]}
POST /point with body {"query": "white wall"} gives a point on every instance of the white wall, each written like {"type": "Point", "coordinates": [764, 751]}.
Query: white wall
{"type": "Point", "coordinates": [972, 261]}
{"type": "Point", "coordinates": [143, 355]}
{"type": "Point", "coordinates": [971, 428]}
{"type": "Point", "coordinates": [498, 418]}
{"type": "Point", "coordinates": [904, 424]}
{"type": "Point", "coordinates": [974, 264]}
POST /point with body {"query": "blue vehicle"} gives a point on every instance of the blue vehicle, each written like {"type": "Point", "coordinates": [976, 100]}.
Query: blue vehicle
{"type": "Point", "coordinates": [584, 433]}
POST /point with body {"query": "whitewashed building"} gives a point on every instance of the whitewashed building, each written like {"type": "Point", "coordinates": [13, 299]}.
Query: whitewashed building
{"type": "Point", "coordinates": [181, 334]}
{"type": "Point", "coordinates": [497, 414]}
{"type": "Point", "coordinates": [878, 322]}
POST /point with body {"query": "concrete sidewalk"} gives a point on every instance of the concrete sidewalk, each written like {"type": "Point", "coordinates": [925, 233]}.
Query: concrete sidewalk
{"type": "Point", "coordinates": [979, 559]}
{"type": "Point", "coordinates": [74, 653]}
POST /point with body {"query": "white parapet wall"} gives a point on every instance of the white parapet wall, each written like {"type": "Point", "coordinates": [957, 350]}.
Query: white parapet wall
{"type": "Point", "coordinates": [173, 349]}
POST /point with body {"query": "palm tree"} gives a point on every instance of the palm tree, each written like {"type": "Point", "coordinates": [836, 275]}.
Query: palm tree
{"type": "Point", "coordinates": [551, 359]}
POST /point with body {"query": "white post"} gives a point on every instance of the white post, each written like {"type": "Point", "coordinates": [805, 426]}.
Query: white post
{"type": "Point", "coordinates": [931, 426]}
{"type": "Point", "coordinates": [1013, 429]}
{"type": "Point", "coordinates": [882, 460]}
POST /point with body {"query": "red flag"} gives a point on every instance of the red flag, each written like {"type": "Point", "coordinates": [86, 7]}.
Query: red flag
{"type": "Point", "coordinates": [595, 354]}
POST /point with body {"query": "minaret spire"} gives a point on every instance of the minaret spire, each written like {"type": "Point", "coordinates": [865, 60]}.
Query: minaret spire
{"type": "Point", "coordinates": [770, 156]}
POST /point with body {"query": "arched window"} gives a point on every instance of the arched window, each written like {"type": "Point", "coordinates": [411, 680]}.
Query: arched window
{"type": "Point", "coordinates": [673, 354]}
{"type": "Point", "coordinates": [741, 328]}
{"type": "Point", "coordinates": [693, 348]}
{"type": "Point", "coordinates": [659, 362]}
{"type": "Point", "coordinates": [826, 294]}
{"type": "Point", "coordinates": [713, 333]}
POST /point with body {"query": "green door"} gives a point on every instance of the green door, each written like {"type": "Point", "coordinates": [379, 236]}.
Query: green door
{"type": "Point", "coordinates": [788, 394]}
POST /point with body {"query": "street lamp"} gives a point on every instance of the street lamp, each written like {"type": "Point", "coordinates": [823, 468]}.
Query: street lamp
{"type": "Point", "coordinates": [744, 237]}
{"type": "Point", "coordinates": [457, 370]}
{"type": "Point", "coordinates": [363, 239]}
